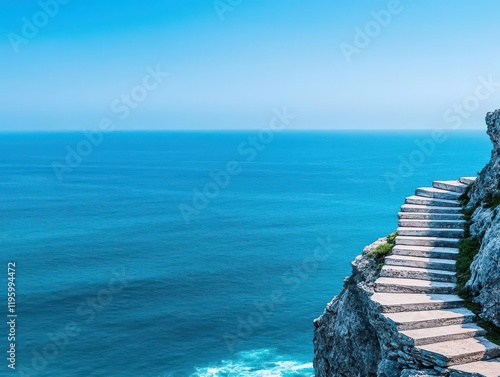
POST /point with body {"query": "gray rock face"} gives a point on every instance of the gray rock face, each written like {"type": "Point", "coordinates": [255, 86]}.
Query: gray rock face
{"type": "Point", "coordinates": [488, 181]}
{"type": "Point", "coordinates": [485, 280]}
{"type": "Point", "coordinates": [351, 339]}
{"type": "Point", "coordinates": [492, 120]}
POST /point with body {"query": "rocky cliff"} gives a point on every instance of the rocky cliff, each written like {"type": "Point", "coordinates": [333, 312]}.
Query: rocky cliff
{"type": "Point", "coordinates": [484, 200]}
{"type": "Point", "coordinates": [353, 338]}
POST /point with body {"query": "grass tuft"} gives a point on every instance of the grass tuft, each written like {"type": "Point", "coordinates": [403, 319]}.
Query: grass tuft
{"type": "Point", "coordinates": [383, 250]}
{"type": "Point", "coordinates": [464, 198]}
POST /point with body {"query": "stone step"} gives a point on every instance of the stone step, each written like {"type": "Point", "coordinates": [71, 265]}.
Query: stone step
{"type": "Point", "coordinates": [430, 232]}
{"type": "Point", "coordinates": [441, 334]}
{"type": "Point", "coordinates": [420, 200]}
{"type": "Point", "coordinates": [446, 224]}
{"type": "Point", "coordinates": [418, 273]}
{"type": "Point", "coordinates": [456, 186]}
{"type": "Point", "coordinates": [430, 216]}
{"type": "Point", "coordinates": [430, 318]}
{"type": "Point", "coordinates": [419, 262]}
{"type": "Point", "coordinates": [426, 251]}
{"type": "Point", "coordinates": [486, 368]}
{"type": "Point", "coordinates": [427, 241]}
{"type": "Point", "coordinates": [404, 272]}
{"type": "Point", "coordinates": [432, 192]}
{"type": "Point", "coordinates": [467, 180]}
{"type": "Point", "coordinates": [420, 208]}
{"type": "Point", "coordinates": [402, 302]}
{"type": "Point", "coordinates": [461, 351]}
{"type": "Point", "coordinates": [398, 285]}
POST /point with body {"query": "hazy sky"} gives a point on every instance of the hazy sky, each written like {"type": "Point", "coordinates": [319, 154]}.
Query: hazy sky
{"type": "Point", "coordinates": [335, 64]}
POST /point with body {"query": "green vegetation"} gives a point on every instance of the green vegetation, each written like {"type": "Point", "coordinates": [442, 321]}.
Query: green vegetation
{"type": "Point", "coordinates": [464, 198]}
{"type": "Point", "coordinates": [469, 247]}
{"type": "Point", "coordinates": [493, 331]}
{"type": "Point", "coordinates": [391, 238]}
{"type": "Point", "coordinates": [383, 250]}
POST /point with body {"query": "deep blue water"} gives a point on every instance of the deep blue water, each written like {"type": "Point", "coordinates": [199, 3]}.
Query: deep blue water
{"type": "Point", "coordinates": [112, 281]}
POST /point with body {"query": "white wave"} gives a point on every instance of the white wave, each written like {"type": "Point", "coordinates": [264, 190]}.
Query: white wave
{"type": "Point", "coordinates": [257, 363]}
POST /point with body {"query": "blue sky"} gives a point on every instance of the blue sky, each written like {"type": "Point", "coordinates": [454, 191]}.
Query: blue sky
{"type": "Point", "coordinates": [231, 73]}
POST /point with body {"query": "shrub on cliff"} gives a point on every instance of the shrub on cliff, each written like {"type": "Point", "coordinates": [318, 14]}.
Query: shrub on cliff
{"type": "Point", "coordinates": [385, 249]}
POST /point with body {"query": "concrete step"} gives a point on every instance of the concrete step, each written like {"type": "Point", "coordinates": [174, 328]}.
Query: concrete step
{"type": "Point", "coordinates": [446, 224]}
{"type": "Point", "coordinates": [418, 273]}
{"type": "Point", "coordinates": [431, 318]}
{"type": "Point", "coordinates": [427, 241]}
{"type": "Point", "coordinates": [461, 351]}
{"type": "Point", "coordinates": [430, 232]}
{"type": "Point", "coordinates": [455, 186]}
{"type": "Point", "coordinates": [426, 252]}
{"type": "Point", "coordinates": [420, 200]}
{"type": "Point", "coordinates": [419, 262]}
{"type": "Point", "coordinates": [430, 216]}
{"type": "Point", "coordinates": [422, 208]}
{"type": "Point", "coordinates": [398, 285]}
{"type": "Point", "coordinates": [403, 302]}
{"type": "Point", "coordinates": [432, 192]}
{"type": "Point", "coordinates": [467, 180]}
{"type": "Point", "coordinates": [431, 335]}
{"type": "Point", "coordinates": [486, 368]}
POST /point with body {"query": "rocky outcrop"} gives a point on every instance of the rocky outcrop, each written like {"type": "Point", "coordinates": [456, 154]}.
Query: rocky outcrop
{"type": "Point", "coordinates": [351, 339]}
{"type": "Point", "coordinates": [488, 180]}
{"type": "Point", "coordinates": [484, 195]}
{"type": "Point", "coordinates": [485, 281]}
{"type": "Point", "coordinates": [356, 337]}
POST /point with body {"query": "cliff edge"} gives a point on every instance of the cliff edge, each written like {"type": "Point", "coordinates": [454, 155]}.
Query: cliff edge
{"type": "Point", "coordinates": [399, 315]}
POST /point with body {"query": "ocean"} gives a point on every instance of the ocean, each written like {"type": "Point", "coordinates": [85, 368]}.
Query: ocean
{"type": "Point", "coordinates": [173, 254]}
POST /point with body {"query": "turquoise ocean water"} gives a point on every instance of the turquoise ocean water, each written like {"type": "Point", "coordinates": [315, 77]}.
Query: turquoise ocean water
{"type": "Point", "coordinates": [125, 268]}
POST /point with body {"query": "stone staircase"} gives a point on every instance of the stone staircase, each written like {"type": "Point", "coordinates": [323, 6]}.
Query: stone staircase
{"type": "Point", "coordinates": [416, 285]}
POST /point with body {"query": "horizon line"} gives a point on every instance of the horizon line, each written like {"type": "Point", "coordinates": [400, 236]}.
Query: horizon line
{"type": "Point", "coordinates": [242, 130]}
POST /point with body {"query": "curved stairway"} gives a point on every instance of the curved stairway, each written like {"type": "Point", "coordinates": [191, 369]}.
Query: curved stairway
{"type": "Point", "coordinates": [416, 284]}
